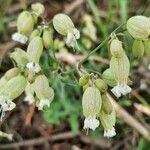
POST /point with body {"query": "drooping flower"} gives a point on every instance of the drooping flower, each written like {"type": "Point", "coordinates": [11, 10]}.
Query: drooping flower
{"type": "Point", "coordinates": [34, 52]}
{"type": "Point", "coordinates": [43, 91]}
{"type": "Point", "coordinates": [119, 67]}
{"type": "Point", "coordinates": [25, 24]}
{"type": "Point", "coordinates": [64, 25]}
{"type": "Point", "coordinates": [91, 104]}
{"type": "Point", "coordinates": [108, 122]}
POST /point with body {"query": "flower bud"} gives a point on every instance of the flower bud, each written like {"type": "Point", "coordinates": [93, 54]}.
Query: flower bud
{"type": "Point", "coordinates": [84, 80]}
{"type": "Point", "coordinates": [91, 104]}
{"type": "Point", "coordinates": [139, 27]}
{"type": "Point", "coordinates": [25, 23]}
{"type": "Point", "coordinates": [116, 48]}
{"type": "Point", "coordinates": [147, 48]}
{"type": "Point", "coordinates": [14, 87]}
{"type": "Point", "coordinates": [47, 38]}
{"type": "Point", "coordinates": [109, 78]}
{"type": "Point", "coordinates": [101, 85]}
{"type": "Point", "coordinates": [38, 8]}
{"type": "Point", "coordinates": [108, 122]}
{"type": "Point", "coordinates": [43, 91]}
{"type": "Point", "coordinates": [85, 86]}
{"type": "Point", "coordinates": [20, 57]}
{"type": "Point", "coordinates": [106, 104]}
{"type": "Point", "coordinates": [138, 49]}
{"type": "Point", "coordinates": [29, 91]}
{"type": "Point", "coordinates": [62, 24]}
{"type": "Point", "coordinates": [11, 73]}
{"type": "Point", "coordinates": [35, 49]}
{"type": "Point", "coordinates": [35, 33]}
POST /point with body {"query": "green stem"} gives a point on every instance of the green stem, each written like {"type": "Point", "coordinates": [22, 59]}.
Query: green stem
{"type": "Point", "coordinates": [97, 48]}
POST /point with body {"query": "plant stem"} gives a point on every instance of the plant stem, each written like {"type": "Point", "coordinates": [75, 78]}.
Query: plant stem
{"type": "Point", "coordinates": [97, 48]}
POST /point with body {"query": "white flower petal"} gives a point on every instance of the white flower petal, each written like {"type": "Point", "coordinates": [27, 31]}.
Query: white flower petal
{"type": "Point", "coordinates": [109, 132]}
{"type": "Point", "coordinates": [76, 33]}
{"type": "Point", "coordinates": [116, 91]}
{"type": "Point", "coordinates": [43, 103]}
{"type": "Point", "coordinates": [5, 105]}
{"type": "Point", "coordinates": [91, 123]}
{"type": "Point", "coordinates": [125, 89]}
{"type": "Point", "coordinates": [70, 41]}
{"type": "Point", "coordinates": [29, 99]}
{"type": "Point", "coordinates": [19, 38]}
{"type": "Point", "coordinates": [34, 68]}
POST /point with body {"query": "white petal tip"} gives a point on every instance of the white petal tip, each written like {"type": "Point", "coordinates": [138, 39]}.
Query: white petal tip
{"type": "Point", "coordinates": [91, 123]}
{"type": "Point", "coordinates": [29, 99]}
{"type": "Point", "coordinates": [110, 132]}
{"type": "Point", "coordinates": [19, 38]}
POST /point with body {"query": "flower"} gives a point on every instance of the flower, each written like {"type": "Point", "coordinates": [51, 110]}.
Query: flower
{"type": "Point", "coordinates": [91, 104]}
{"type": "Point", "coordinates": [122, 89]}
{"type": "Point", "coordinates": [64, 25]}
{"type": "Point", "coordinates": [19, 38]}
{"type": "Point", "coordinates": [91, 123]}
{"type": "Point", "coordinates": [34, 68]}
{"type": "Point", "coordinates": [43, 103]}
{"type": "Point", "coordinates": [29, 99]}
{"type": "Point", "coordinates": [5, 105]}
{"type": "Point", "coordinates": [110, 132]}
{"type": "Point", "coordinates": [43, 91]}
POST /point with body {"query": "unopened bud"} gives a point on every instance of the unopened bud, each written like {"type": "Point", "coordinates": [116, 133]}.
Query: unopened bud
{"type": "Point", "coordinates": [139, 27]}
{"type": "Point", "coordinates": [138, 49]}
{"type": "Point", "coordinates": [109, 78]}
{"type": "Point", "coordinates": [25, 23]}
{"type": "Point", "coordinates": [35, 33]}
{"type": "Point", "coordinates": [20, 57]}
{"type": "Point", "coordinates": [84, 79]}
{"type": "Point", "coordinates": [38, 8]}
{"type": "Point", "coordinates": [47, 38]}
{"type": "Point", "coordinates": [11, 73]}
{"type": "Point", "coordinates": [116, 48]}
{"type": "Point", "coordinates": [35, 49]}
{"type": "Point", "coordinates": [106, 104]}
{"type": "Point", "coordinates": [14, 87]}
{"type": "Point", "coordinates": [101, 85]}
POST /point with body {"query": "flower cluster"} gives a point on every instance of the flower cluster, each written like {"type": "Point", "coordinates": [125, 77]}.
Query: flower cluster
{"type": "Point", "coordinates": [96, 105]}
{"type": "Point", "coordinates": [27, 76]}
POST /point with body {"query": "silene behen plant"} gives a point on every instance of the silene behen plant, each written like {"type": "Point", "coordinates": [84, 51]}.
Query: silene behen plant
{"type": "Point", "coordinates": [27, 75]}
